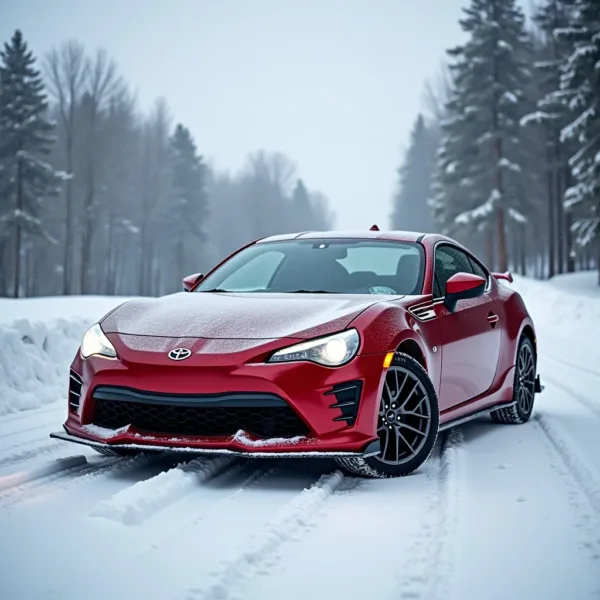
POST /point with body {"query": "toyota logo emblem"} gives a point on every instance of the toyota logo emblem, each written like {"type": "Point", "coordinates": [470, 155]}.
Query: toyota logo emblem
{"type": "Point", "coordinates": [180, 354]}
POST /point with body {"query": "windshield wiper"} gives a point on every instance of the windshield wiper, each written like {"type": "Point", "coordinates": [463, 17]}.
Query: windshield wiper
{"type": "Point", "coordinates": [215, 291]}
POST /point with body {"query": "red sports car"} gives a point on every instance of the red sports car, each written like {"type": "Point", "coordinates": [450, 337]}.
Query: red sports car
{"type": "Point", "coordinates": [360, 346]}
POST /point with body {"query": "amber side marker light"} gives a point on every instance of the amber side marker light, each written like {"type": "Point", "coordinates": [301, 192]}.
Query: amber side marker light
{"type": "Point", "coordinates": [387, 361]}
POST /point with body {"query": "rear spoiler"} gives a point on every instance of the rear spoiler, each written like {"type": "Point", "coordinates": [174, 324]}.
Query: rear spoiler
{"type": "Point", "coordinates": [506, 276]}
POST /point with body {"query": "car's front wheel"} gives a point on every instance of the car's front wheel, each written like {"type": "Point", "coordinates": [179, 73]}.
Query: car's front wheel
{"type": "Point", "coordinates": [407, 425]}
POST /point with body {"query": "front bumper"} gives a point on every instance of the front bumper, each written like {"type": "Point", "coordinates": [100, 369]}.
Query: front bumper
{"type": "Point", "coordinates": [333, 424]}
{"type": "Point", "coordinates": [308, 449]}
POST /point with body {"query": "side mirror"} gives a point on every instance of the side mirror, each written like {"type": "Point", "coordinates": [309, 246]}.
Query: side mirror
{"type": "Point", "coordinates": [191, 280]}
{"type": "Point", "coordinates": [462, 286]}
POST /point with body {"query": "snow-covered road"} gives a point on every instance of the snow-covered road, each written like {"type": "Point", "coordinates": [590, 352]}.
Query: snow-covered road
{"type": "Point", "coordinates": [497, 512]}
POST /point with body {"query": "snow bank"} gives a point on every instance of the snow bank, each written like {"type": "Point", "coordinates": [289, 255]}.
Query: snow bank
{"type": "Point", "coordinates": [57, 307]}
{"type": "Point", "coordinates": [38, 340]}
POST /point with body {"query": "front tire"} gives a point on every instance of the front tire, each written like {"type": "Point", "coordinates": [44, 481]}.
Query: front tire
{"type": "Point", "coordinates": [407, 426]}
{"type": "Point", "coordinates": [523, 387]}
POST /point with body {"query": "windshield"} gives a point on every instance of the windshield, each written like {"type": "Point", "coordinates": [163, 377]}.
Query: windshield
{"type": "Point", "coordinates": [323, 266]}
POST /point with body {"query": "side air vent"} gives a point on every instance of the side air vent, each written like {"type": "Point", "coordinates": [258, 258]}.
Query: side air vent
{"type": "Point", "coordinates": [347, 397]}
{"type": "Point", "coordinates": [75, 383]}
{"type": "Point", "coordinates": [423, 312]}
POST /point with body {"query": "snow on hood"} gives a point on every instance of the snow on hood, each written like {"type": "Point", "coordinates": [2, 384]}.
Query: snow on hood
{"type": "Point", "coordinates": [238, 316]}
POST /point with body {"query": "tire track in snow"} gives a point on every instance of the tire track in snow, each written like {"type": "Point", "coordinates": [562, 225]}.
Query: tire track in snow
{"type": "Point", "coordinates": [197, 516]}
{"type": "Point", "coordinates": [7, 434]}
{"type": "Point", "coordinates": [134, 504]}
{"type": "Point", "coordinates": [29, 451]}
{"type": "Point", "coordinates": [18, 479]}
{"type": "Point", "coordinates": [580, 476]}
{"type": "Point", "coordinates": [428, 569]}
{"type": "Point", "coordinates": [218, 508]}
{"type": "Point", "coordinates": [38, 482]}
{"type": "Point", "coordinates": [571, 365]}
{"type": "Point", "coordinates": [579, 467]}
{"type": "Point", "coordinates": [229, 580]}
{"type": "Point", "coordinates": [584, 400]}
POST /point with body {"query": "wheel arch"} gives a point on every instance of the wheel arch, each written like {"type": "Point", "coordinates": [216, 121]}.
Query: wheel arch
{"type": "Point", "coordinates": [411, 347]}
{"type": "Point", "coordinates": [528, 332]}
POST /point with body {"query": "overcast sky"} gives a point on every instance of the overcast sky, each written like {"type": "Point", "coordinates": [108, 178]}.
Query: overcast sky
{"type": "Point", "coordinates": [334, 84]}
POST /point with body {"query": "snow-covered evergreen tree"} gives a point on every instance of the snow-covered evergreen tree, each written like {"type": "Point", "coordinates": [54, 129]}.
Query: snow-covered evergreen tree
{"type": "Point", "coordinates": [411, 211]}
{"type": "Point", "coordinates": [26, 180]}
{"type": "Point", "coordinates": [548, 118]}
{"type": "Point", "coordinates": [580, 88]}
{"type": "Point", "coordinates": [479, 176]}
{"type": "Point", "coordinates": [191, 202]}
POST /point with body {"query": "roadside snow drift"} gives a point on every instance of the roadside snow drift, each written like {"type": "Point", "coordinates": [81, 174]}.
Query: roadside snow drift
{"type": "Point", "coordinates": [38, 339]}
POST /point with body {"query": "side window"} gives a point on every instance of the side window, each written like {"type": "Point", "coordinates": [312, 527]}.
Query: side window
{"type": "Point", "coordinates": [478, 269]}
{"type": "Point", "coordinates": [255, 274]}
{"type": "Point", "coordinates": [448, 262]}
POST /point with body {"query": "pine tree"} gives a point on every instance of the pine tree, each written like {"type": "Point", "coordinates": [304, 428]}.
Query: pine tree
{"type": "Point", "coordinates": [580, 89]}
{"type": "Point", "coordinates": [479, 180]}
{"type": "Point", "coordinates": [550, 116]}
{"type": "Point", "coordinates": [411, 211]}
{"type": "Point", "coordinates": [191, 203]}
{"type": "Point", "coordinates": [26, 180]}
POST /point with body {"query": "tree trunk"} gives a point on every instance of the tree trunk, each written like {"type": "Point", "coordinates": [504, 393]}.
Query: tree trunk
{"type": "Point", "coordinates": [551, 231]}
{"type": "Point", "coordinates": [18, 233]}
{"type": "Point", "coordinates": [489, 248]}
{"type": "Point", "coordinates": [523, 249]}
{"type": "Point", "coordinates": [560, 211]}
{"type": "Point", "coordinates": [89, 208]}
{"type": "Point", "coordinates": [598, 261]}
{"type": "Point", "coordinates": [502, 251]}
{"type": "Point", "coordinates": [68, 248]}
{"type": "Point", "coordinates": [568, 225]}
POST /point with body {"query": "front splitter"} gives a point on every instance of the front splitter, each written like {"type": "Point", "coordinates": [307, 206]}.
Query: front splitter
{"type": "Point", "coordinates": [372, 449]}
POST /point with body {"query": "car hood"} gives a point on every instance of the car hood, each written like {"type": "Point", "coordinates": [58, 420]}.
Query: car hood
{"type": "Point", "coordinates": [239, 316]}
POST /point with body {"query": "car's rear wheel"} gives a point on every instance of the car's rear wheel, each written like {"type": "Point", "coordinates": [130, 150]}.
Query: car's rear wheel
{"type": "Point", "coordinates": [523, 388]}
{"type": "Point", "coordinates": [407, 425]}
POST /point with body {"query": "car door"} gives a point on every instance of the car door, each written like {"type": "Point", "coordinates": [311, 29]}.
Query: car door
{"type": "Point", "coordinates": [470, 335]}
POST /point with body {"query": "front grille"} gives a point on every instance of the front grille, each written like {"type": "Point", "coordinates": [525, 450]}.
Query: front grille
{"type": "Point", "coordinates": [75, 384]}
{"type": "Point", "coordinates": [348, 397]}
{"type": "Point", "coordinates": [177, 415]}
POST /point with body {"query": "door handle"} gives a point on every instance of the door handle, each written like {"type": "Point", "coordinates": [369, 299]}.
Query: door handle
{"type": "Point", "coordinates": [493, 319]}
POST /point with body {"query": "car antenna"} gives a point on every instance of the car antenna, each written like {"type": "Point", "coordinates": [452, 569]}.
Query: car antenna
{"type": "Point", "coordinates": [374, 228]}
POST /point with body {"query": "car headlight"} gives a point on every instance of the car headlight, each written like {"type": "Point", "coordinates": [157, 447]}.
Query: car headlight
{"type": "Point", "coordinates": [96, 343]}
{"type": "Point", "coordinates": [331, 351]}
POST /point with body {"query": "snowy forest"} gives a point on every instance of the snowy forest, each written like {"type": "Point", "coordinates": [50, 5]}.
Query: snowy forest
{"type": "Point", "coordinates": [97, 197]}
{"type": "Point", "coordinates": [506, 155]}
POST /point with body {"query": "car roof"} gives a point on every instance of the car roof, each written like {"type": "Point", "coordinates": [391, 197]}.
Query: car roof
{"type": "Point", "coordinates": [398, 236]}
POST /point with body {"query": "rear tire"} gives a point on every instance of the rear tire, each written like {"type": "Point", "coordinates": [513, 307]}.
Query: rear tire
{"type": "Point", "coordinates": [523, 387]}
{"type": "Point", "coordinates": [407, 426]}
